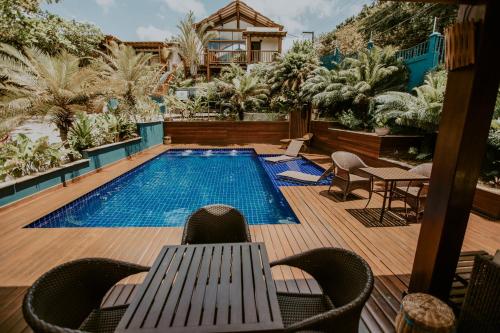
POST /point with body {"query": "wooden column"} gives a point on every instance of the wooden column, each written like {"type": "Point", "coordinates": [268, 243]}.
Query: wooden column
{"type": "Point", "coordinates": [465, 121]}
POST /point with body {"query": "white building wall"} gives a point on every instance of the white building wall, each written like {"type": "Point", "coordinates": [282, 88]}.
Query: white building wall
{"type": "Point", "coordinates": [268, 43]}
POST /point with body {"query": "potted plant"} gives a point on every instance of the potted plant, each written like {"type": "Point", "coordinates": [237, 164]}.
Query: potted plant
{"type": "Point", "coordinates": [381, 127]}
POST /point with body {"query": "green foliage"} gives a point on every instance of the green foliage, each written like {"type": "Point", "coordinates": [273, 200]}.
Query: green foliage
{"type": "Point", "coordinates": [422, 110]}
{"type": "Point", "coordinates": [22, 157]}
{"type": "Point", "coordinates": [192, 43]}
{"type": "Point", "coordinates": [247, 92]}
{"type": "Point", "coordinates": [82, 135]}
{"type": "Point", "coordinates": [402, 25]}
{"type": "Point", "coordinates": [290, 72]}
{"type": "Point", "coordinates": [129, 78]}
{"type": "Point", "coordinates": [98, 129]}
{"type": "Point", "coordinates": [355, 83]}
{"type": "Point", "coordinates": [39, 83]}
{"type": "Point", "coordinates": [24, 24]}
{"type": "Point", "coordinates": [350, 120]}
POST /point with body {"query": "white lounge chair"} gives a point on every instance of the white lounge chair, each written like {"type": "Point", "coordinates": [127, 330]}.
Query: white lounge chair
{"type": "Point", "coordinates": [291, 153]}
{"type": "Point", "coordinates": [303, 177]}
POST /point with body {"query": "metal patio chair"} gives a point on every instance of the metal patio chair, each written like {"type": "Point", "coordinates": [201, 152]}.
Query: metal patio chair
{"type": "Point", "coordinates": [346, 281]}
{"type": "Point", "coordinates": [347, 175]}
{"type": "Point", "coordinates": [216, 224]}
{"type": "Point", "coordinates": [68, 297]}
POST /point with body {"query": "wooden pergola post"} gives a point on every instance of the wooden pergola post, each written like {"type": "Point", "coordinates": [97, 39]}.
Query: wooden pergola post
{"type": "Point", "coordinates": [465, 121]}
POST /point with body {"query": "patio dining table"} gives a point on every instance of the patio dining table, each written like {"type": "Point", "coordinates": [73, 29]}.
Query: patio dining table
{"type": "Point", "coordinates": [390, 176]}
{"type": "Point", "coordinates": [206, 288]}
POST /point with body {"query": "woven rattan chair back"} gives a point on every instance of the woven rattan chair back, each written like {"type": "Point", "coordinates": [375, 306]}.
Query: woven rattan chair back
{"type": "Point", "coordinates": [216, 224]}
{"type": "Point", "coordinates": [423, 169]}
{"type": "Point", "coordinates": [347, 161]}
{"type": "Point", "coordinates": [481, 309]}
{"type": "Point", "coordinates": [344, 277]}
{"type": "Point", "coordinates": [61, 299]}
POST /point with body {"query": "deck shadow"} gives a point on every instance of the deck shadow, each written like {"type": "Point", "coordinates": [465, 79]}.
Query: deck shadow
{"type": "Point", "coordinates": [336, 197]}
{"type": "Point", "coordinates": [370, 217]}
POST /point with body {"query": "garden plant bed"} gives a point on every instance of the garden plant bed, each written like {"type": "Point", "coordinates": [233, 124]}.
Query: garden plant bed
{"type": "Point", "coordinates": [369, 145]}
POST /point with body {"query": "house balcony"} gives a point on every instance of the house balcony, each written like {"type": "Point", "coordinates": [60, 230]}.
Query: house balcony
{"type": "Point", "coordinates": [242, 57]}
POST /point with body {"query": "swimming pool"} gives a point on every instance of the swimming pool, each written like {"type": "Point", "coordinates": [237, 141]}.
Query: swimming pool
{"type": "Point", "coordinates": [164, 191]}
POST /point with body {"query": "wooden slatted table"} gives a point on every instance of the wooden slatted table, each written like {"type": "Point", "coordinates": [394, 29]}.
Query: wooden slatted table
{"type": "Point", "coordinates": [206, 288]}
{"type": "Point", "coordinates": [390, 176]}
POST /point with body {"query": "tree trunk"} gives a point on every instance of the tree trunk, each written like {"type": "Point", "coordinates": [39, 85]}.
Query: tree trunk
{"type": "Point", "coordinates": [241, 114]}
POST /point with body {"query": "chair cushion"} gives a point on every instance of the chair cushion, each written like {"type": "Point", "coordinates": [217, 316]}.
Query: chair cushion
{"type": "Point", "coordinates": [299, 176]}
{"type": "Point", "coordinates": [356, 178]}
{"type": "Point", "coordinates": [297, 307]}
{"type": "Point", "coordinates": [104, 320]}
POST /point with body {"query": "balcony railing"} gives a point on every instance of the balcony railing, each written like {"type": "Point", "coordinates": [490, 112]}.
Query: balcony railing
{"type": "Point", "coordinates": [239, 57]}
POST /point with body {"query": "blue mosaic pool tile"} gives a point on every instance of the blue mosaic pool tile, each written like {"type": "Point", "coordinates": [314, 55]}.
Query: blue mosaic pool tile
{"type": "Point", "coordinates": [164, 191]}
{"type": "Point", "coordinates": [301, 164]}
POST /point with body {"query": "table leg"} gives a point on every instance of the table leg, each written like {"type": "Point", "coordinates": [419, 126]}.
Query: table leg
{"type": "Point", "coordinates": [391, 192]}
{"type": "Point", "coordinates": [386, 185]}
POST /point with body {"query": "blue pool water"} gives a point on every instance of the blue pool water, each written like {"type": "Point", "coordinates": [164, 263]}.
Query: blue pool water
{"type": "Point", "coordinates": [164, 191]}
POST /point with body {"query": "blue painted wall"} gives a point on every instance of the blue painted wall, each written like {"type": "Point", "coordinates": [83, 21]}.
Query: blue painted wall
{"type": "Point", "coordinates": [151, 135]}
{"type": "Point", "coordinates": [421, 64]}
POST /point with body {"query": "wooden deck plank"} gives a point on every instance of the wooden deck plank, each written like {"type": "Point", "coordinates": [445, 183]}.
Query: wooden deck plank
{"type": "Point", "coordinates": [25, 254]}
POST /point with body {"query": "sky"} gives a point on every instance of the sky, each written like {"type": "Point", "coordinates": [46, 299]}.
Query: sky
{"type": "Point", "coordinates": [157, 19]}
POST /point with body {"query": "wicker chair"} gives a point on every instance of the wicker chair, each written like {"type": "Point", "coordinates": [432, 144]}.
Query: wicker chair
{"type": "Point", "coordinates": [67, 298]}
{"type": "Point", "coordinates": [414, 193]}
{"type": "Point", "coordinates": [346, 281]}
{"type": "Point", "coordinates": [216, 224]}
{"type": "Point", "coordinates": [481, 309]}
{"type": "Point", "coordinates": [347, 175]}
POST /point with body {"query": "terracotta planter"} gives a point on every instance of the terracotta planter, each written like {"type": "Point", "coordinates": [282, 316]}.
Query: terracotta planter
{"type": "Point", "coordinates": [381, 131]}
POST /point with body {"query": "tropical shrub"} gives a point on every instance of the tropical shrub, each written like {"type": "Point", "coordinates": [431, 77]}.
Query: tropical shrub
{"type": "Point", "coordinates": [21, 157]}
{"type": "Point", "coordinates": [98, 129]}
{"type": "Point", "coordinates": [38, 83]}
{"type": "Point", "coordinates": [129, 78]}
{"type": "Point", "coordinates": [82, 135]}
{"type": "Point", "coordinates": [247, 92]}
{"type": "Point", "coordinates": [290, 72]}
{"type": "Point", "coordinates": [421, 110]}
{"type": "Point", "coordinates": [355, 83]}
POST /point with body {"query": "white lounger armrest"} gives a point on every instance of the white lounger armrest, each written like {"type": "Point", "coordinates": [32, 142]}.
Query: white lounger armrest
{"type": "Point", "coordinates": [299, 176]}
{"type": "Point", "coordinates": [281, 158]}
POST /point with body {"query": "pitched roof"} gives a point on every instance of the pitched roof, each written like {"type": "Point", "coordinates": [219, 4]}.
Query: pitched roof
{"type": "Point", "coordinates": [243, 11]}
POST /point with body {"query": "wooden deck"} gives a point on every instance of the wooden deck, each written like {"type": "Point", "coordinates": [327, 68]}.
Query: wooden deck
{"type": "Point", "coordinates": [27, 253]}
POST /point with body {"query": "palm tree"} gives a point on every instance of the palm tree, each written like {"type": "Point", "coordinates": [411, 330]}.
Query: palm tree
{"type": "Point", "coordinates": [128, 76]}
{"type": "Point", "coordinates": [356, 81]}
{"type": "Point", "coordinates": [192, 43]}
{"type": "Point", "coordinates": [247, 92]}
{"type": "Point", "coordinates": [291, 71]}
{"type": "Point", "coordinates": [422, 110]}
{"type": "Point", "coordinates": [38, 83]}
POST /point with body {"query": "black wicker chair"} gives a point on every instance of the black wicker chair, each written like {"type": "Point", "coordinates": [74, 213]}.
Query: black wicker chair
{"type": "Point", "coordinates": [68, 297]}
{"type": "Point", "coordinates": [481, 309]}
{"type": "Point", "coordinates": [216, 224]}
{"type": "Point", "coordinates": [346, 281]}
